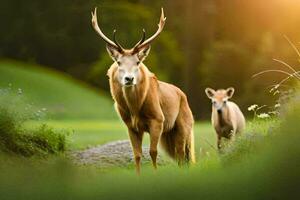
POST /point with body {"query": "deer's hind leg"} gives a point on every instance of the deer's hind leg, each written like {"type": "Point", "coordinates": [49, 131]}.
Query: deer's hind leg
{"type": "Point", "coordinates": [182, 135]}
{"type": "Point", "coordinates": [180, 146]}
{"type": "Point", "coordinates": [184, 141]}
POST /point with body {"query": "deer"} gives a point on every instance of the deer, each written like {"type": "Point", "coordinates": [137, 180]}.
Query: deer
{"type": "Point", "coordinates": [146, 104]}
{"type": "Point", "coordinates": [226, 118]}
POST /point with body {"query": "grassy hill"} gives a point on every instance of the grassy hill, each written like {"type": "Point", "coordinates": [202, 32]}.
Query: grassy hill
{"type": "Point", "coordinates": [73, 106]}
{"type": "Point", "coordinates": [62, 96]}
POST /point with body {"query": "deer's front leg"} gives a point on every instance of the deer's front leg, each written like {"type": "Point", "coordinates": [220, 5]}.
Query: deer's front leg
{"type": "Point", "coordinates": [136, 139]}
{"type": "Point", "coordinates": [155, 129]}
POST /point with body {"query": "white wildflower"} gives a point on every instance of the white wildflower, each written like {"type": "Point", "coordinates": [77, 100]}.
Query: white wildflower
{"type": "Point", "coordinates": [277, 105]}
{"type": "Point", "coordinates": [263, 115]}
{"type": "Point", "coordinates": [252, 107]}
{"type": "Point", "coordinates": [20, 91]}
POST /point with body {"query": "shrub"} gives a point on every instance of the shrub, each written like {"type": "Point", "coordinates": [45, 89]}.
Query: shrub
{"type": "Point", "coordinates": [16, 138]}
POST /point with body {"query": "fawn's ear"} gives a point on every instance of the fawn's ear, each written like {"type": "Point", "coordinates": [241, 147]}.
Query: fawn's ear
{"type": "Point", "coordinates": [230, 92]}
{"type": "Point", "coordinates": [210, 92]}
{"type": "Point", "coordinates": [114, 53]}
{"type": "Point", "coordinates": [143, 52]}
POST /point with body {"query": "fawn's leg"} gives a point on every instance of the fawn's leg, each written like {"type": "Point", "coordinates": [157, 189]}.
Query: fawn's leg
{"type": "Point", "coordinates": [219, 142]}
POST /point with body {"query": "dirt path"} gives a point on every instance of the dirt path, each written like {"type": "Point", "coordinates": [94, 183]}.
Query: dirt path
{"type": "Point", "coordinates": [112, 154]}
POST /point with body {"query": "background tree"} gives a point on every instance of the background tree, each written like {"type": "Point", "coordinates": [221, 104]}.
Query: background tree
{"type": "Point", "coordinates": [214, 43]}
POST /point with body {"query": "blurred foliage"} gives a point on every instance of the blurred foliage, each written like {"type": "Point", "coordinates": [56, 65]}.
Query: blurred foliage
{"type": "Point", "coordinates": [16, 139]}
{"type": "Point", "coordinates": [214, 43]}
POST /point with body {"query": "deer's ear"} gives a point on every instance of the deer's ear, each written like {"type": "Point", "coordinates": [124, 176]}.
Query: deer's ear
{"type": "Point", "coordinates": [230, 92]}
{"type": "Point", "coordinates": [114, 53]}
{"type": "Point", "coordinates": [210, 92]}
{"type": "Point", "coordinates": [143, 52]}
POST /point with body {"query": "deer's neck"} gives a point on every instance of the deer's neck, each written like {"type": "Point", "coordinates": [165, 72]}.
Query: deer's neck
{"type": "Point", "coordinates": [132, 96]}
{"type": "Point", "coordinates": [221, 119]}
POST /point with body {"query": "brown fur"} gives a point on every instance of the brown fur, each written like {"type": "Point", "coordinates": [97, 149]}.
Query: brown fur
{"type": "Point", "coordinates": [231, 120]}
{"type": "Point", "coordinates": [158, 108]}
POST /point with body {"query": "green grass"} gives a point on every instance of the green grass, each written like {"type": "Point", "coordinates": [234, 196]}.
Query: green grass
{"type": "Point", "coordinates": [90, 132]}
{"type": "Point", "coordinates": [264, 166]}
{"type": "Point", "coordinates": [17, 139]}
{"type": "Point", "coordinates": [96, 132]}
{"type": "Point", "coordinates": [273, 173]}
{"type": "Point", "coordinates": [63, 97]}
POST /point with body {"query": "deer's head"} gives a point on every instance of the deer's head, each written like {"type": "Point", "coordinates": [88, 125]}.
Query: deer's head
{"type": "Point", "coordinates": [128, 60]}
{"type": "Point", "coordinates": [219, 98]}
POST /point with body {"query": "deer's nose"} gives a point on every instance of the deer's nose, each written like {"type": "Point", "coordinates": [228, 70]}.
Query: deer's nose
{"type": "Point", "coordinates": [129, 79]}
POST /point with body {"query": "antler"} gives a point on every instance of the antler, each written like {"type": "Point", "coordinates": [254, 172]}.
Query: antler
{"type": "Point", "coordinates": [98, 30]}
{"type": "Point", "coordinates": [116, 42]}
{"type": "Point", "coordinates": [141, 40]}
{"type": "Point", "coordinates": [142, 43]}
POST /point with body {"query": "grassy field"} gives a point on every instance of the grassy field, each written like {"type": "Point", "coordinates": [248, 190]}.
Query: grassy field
{"type": "Point", "coordinates": [259, 165]}
{"type": "Point", "coordinates": [95, 132]}
{"type": "Point", "coordinates": [62, 96]}
{"type": "Point", "coordinates": [265, 175]}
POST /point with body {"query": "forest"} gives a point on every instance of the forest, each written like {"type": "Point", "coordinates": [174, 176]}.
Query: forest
{"type": "Point", "coordinates": [206, 43]}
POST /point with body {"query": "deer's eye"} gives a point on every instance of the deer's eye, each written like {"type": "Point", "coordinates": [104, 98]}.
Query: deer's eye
{"type": "Point", "coordinates": [138, 62]}
{"type": "Point", "coordinates": [214, 102]}
{"type": "Point", "coordinates": [225, 101]}
{"type": "Point", "coordinates": [119, 63]}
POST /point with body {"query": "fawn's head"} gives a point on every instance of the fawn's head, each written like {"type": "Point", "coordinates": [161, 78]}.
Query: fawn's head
{"type": "Point", "coordinates": [128, 60]}
{"type": "Point", "coordinates": [219, 98]}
